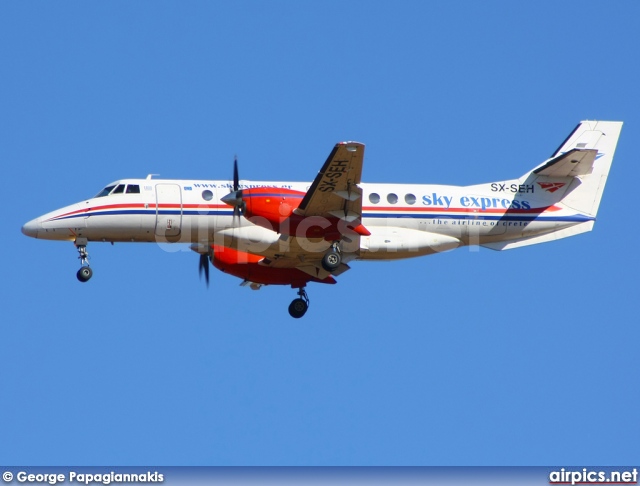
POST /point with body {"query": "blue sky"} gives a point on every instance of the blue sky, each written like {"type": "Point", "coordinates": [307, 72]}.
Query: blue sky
{"type": "Point", "coordinates": [524, 357]}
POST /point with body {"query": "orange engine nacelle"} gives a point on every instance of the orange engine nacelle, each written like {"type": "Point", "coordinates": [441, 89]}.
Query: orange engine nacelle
{"type": "Point", "coordinates": [247, 266]}
{"type": "Point", "coordinates": [273, 208]}
{"type": "Point", "coordinates": [273, 204]}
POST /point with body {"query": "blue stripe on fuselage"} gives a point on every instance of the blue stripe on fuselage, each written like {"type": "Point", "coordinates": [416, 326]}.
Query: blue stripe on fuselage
{"type": "Point", "coordinates": [577, 218]}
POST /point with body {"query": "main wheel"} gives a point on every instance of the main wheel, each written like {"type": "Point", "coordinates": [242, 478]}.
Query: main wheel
{"type": "Point", "coordinates": [84, 274]}
{"type": "Point", "coordinates": [331, 260]}
{"type": "Point", "coordinates": [297, 308]}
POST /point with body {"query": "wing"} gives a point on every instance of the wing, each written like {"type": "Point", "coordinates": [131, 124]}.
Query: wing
{"type": "Point", "coordinates": [334, 194]}
{"type": "Point", "coordinates": [335, 190]}
{"type": "Point", "coordinates": [575, 162]}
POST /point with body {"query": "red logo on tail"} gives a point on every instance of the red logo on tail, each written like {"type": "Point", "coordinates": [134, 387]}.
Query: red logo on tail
{"type": "Point", "coordinates": [551, 186]}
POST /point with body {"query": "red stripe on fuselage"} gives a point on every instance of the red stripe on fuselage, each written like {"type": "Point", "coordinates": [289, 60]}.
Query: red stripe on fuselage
{"type": "Point", "coordinates": [460, 210]}
{"type": "Point", "coordinates": [140, 206]}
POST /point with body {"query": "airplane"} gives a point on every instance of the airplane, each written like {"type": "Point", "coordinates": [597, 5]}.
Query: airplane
{"type": "Point", "coordinates": [292, 233]}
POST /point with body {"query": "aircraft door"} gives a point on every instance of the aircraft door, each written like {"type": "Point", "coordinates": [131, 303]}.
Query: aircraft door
{"type": "Point", "coordinates": [168, 210]}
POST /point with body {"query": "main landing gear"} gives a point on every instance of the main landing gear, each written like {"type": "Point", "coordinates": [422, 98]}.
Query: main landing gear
{"type": "Point", "coordinates": [299, 306]}
{"type": "Point", "coordinates": [332, 259]}
{"type": "Point", "coordinates": [85, 272]}
{"type": "Point", "coordinates": [330, 262]}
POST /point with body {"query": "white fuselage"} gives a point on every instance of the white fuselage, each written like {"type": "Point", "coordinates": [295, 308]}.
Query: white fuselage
{"type": "Point", "coordinates": [404, 220]}
{"type": "Point", "coordinates": [289, 233]}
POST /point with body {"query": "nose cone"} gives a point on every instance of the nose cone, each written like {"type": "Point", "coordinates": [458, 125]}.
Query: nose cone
{"type": "Point", "coordinates": [31, 228]}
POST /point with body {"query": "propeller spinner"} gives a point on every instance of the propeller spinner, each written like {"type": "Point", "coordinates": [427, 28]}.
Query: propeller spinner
{"type": "Point", "coordinates": [234, 198]}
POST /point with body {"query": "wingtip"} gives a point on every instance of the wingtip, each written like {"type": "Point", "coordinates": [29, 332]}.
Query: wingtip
{"type": "Point", "coordinates": [351, 146]}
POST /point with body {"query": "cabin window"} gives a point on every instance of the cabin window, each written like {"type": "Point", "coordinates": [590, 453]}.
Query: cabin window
{"type": "Point", "coordinates": [374, 198]}
{"type": "Point", "coordinates": [207, 195]}
{"type": "Point", "coordinates": [119, 189]}
{"type": "Point", "coordinates": [133, 189]}
{"type": "Point", "coordinates": [392, 198]}
{"type": "Point", "coordinates": [105, 191]}
{"type": "Point", "coordinates": [410, 199]}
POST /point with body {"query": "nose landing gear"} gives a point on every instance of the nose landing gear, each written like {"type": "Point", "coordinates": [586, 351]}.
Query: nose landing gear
{"type": "Point", "coordinates": [85, 272]}
{"type": "Point", "coordinates": [299, 306]}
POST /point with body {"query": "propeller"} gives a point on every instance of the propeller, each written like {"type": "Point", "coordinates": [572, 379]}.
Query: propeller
{"type": "Point", "coordinates": [236, 179]}
{"type": "Point", "coordinates": [204, 266]}
{"type": "Point", "coordinates": [234, 198]}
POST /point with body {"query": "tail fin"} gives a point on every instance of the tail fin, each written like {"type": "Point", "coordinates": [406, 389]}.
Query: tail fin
{"type": "Point", "coordinates": [577, 172]}
{"type": "Point", "coordinates": [573, 178]}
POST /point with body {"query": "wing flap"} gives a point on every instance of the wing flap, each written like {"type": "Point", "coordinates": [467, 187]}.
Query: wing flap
{"type": "Point", "coordinates": [311, 267]}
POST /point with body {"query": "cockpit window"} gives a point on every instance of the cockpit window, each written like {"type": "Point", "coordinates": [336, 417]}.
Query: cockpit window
{"type": "Point", "coordinates": [105, 191]}
{"type": "Point", "coordinates": [119, 189]}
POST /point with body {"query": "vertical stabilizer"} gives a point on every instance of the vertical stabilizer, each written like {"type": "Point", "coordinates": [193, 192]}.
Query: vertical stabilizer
{"type": "Point", "coordinates": [577, 171]}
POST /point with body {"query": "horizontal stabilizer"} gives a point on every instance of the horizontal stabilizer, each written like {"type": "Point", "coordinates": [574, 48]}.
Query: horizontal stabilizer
{"type": "Point", "coordinates": [576, 162]}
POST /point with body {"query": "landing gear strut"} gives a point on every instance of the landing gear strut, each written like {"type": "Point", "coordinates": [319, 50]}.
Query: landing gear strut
{"type": "Point", "coordinates": [85, 272]}
{"type": "Point", "coordinates": [299, 306]}
{"type": "Point", "coordinates": [332, 259]}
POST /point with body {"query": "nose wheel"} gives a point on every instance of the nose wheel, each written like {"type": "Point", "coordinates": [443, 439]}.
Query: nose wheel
{"type": "Point", "coordinates": [299, 306]}
{"type": "Point", "coordinates": [85, 272]}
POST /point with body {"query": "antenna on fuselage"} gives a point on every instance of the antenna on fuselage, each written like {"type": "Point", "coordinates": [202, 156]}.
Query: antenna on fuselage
{"type": "Point", "coordinates": [150, 176]}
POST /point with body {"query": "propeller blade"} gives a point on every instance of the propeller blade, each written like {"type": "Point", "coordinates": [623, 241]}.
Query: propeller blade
{"type": "Point", "coordinates": [236, 178]}
{"type": "Point", "coordinates": [235, 198]}
{"type": "Point", "coordinates": [204, 266]}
